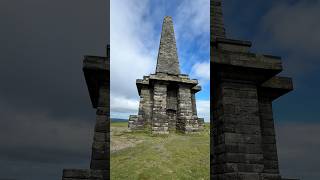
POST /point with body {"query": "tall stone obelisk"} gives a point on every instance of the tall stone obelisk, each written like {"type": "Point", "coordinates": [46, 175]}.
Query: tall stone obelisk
{"type": "Point", "coordinates": [167, 98]}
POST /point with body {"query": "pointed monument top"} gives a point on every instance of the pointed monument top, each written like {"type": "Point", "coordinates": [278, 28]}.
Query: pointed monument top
{"type": "Point", "coordinates": [167, 56]}
{"type": "Point", "coordinates": [217, 26]}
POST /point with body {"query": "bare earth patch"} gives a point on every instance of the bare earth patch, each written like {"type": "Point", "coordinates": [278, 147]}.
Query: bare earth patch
{"type": "Point", "coordinates": [119, 139]}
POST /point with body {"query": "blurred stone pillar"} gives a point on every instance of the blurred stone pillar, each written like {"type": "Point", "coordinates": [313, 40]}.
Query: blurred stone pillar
{"type": "Point", "coordinates": [187, 123]}
{"type": "Point", "coordinates": [160, 123]}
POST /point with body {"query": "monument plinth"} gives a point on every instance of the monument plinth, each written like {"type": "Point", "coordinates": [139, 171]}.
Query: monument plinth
{"type": "Point", "coordinates": [167, 98]}
{"type": "Point", "coordinates": [243, 143]}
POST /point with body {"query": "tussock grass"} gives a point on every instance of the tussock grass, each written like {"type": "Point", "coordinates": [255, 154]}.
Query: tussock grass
{"type": "Point", "coordinates": [174, 156]}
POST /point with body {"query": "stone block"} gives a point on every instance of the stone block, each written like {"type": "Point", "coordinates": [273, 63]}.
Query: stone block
{"type": "Point", "coordinates": [99, 137]}
{"type": "Point", "coordinates": [99, 164]}
{"type": "Point", "coordinates": [76, 173]}
{"type": "Point", "coordinates": [237, 148]}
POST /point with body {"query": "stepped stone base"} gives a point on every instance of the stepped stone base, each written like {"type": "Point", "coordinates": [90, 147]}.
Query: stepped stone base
{"type": "Point", "coordinates": [134, 123]}
{"type": "Point", "coordinates": [84, 174]}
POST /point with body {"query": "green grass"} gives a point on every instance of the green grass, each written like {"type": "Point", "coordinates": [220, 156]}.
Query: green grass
{"type": "Point", "coordinates": [176, 156]}
{"type": "Point", "coordinates": [119, 124]}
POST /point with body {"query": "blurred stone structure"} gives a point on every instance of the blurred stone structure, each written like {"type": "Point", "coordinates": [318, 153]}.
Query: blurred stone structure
{"type": "Point", "coordinates": [97, 74]}
{"type": "Point", "coordinates": [243, 142]}
{"type": "Point", "coordinates": [167, 98]}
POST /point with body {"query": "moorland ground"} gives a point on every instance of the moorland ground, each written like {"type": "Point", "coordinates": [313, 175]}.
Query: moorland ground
{"type": "Point", "coordinates": [139, 155]}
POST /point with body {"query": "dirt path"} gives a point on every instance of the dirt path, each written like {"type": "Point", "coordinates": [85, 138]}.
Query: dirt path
{"type": "Point", "coordinates": [120, 139]}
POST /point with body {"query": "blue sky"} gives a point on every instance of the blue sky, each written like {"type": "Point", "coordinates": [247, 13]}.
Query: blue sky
{"type": "Point", "coordinates": [135, 37]}
{"type": "Point", "coordinates": [290, 29]}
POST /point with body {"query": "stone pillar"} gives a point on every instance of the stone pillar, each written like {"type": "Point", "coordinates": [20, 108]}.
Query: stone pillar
{"type": "Point", "coordinates": [217, 29]}
{"type": "Point", "coordinates": [100, 159]}
{"type": "Point", "coordinates": [194, 106]}
{"type": "Point", "coordinates": [185, 119]}
{"type": "Point", "coordinates": [269, 146]}
{"type": "Point", "coordinates": [236, 132]}
{"type": "Point", "coordinates": [160, 121]}
{"type": "Point", "coordinates": [145, 105]}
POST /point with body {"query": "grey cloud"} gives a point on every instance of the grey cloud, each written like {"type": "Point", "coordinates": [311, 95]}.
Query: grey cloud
{"type": "Point", "coordinates": [43, 43]}
{"type": "Point", "coordinates": [38, 140]}
{"type": "Point", "coordinates": [42, 142]}
{"type": "Point", "coordinates": [295, 25]}
{"type": "Point", "coordinates": [294, 28]}
{"type": "Point", "coordinates": [298, 146]}
{"type": "Point", "coordinates": [45, 110]}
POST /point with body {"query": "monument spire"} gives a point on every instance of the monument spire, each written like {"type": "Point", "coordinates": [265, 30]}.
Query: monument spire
{"type": "Point", "coordinates": [167, 56]}
{"type": "Point", "coordinates": [217, 25]}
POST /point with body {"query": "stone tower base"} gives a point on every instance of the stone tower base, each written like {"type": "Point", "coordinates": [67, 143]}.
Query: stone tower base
{"type": "Point", "coordinates": [84, 174]}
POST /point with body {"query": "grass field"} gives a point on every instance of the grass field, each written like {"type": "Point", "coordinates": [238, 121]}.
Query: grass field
{"type": "Point", "coordinates": [139, 155]}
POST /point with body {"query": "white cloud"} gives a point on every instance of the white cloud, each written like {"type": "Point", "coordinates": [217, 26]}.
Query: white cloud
{"type": "Point", "coordinates": [192, 24]}
{"type": "Point", "coordinates": [201, 71]}
{"type": "Point", "coordinates": [131, 56]}
{"type": "Point", "coordinates": [135, 42]}
{"type": "Point", "coordinates": [193, 17]}
{"type": "Point", "coordinates": [121, 104]}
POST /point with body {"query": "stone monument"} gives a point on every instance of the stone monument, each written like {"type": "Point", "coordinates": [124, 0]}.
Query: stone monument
{"type": "Point", "coordinates": [97, 74]}
{"type": "Point", "coordinates": [167, 98]}
{"type": "Point", "coordinates": [243, 143]}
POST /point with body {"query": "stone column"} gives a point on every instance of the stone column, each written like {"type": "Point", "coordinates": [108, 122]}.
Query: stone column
{"type": "Point", "coordinates": [216, 20]}
{"type": "Point", "coordinates": [145, 105]}
{"type": "Point", "coordinates": [100, 159]}
{"type": "Point", "coordinates": [160, 121]}
{"type": "Point", "coordinates": [185, 120]}
{"type": "Point", "coordinates": [193, 100]}
{"type": "Point", "coordinates": [236, 132]}
{"type": "Point", "coordinates": [270, 161]}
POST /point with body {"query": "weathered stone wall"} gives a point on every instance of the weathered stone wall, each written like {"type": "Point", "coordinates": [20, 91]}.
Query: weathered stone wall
{"type": "Point", "coordinates": [145, 105]}
{"type": "Point", "coordinates": [193, 101]}
{"type": "Point", "coordinates": [172, 118]}
{"type": "Point", "coordinates": [100, 158]}
{"type": "Point", "coordinates": [269, 146]}
{"type": "Point", "coordinates": [84, 174]}
{"type": "Point", "coordinates": [160, 121]}
{"type": "Point", "coordinates": [100, 147]}
{"type": "Point", "coordinates": [167, 56]}
{"type": "Point", "coordinates": [133, 122]}
{"type": "Point", "coordinates": [237, 134]}
{"type": "Point", "coordinates": [185, 119]}
{"type": "Point", "coordinates": [172, 98]}
{"type": "Point", "coordinates": [172, 103]}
